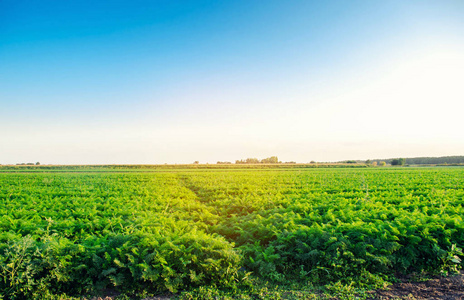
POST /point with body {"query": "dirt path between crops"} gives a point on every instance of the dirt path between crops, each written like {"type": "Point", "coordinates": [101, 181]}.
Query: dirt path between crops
{"type": "Point", "coordinates": [448, 288]}
{"type": "Point", "coordinates": [436, 288]}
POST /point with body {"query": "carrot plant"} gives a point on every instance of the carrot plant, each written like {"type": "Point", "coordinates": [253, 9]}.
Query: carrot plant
{"type": "Point", "coordinates": [135, 232]}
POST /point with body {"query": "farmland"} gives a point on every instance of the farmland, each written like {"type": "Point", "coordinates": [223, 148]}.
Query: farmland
{"type": "Point", "coordinates": [174, 230]}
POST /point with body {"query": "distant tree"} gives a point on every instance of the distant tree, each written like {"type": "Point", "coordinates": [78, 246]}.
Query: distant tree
{"type": "Point", "coordinates": [252, 161]}
{"type": "Point", "coordinates": [196, 162]}
{"type": "Point", "coordinates": [270, 160]}
{"type": "Point", "coordinates": [383, 164]}
{"type": "Point", "coordinates": [37, 163]}
{"type": "Point", "coordinates": [374, 163]}
{"type": "Point", "coordinates": [312, 162]}
{"type": "Point", "coordinates": [398, 162]}
{"type": "Point", "coordinates": [368, 161]}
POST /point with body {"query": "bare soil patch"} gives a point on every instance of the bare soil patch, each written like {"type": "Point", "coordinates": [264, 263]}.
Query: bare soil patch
{"type": "Point", "coordinates": [451, 288]}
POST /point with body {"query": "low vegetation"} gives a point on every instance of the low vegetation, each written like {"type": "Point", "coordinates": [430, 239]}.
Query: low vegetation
{"type": "Point", "coordinates": [210, 233]}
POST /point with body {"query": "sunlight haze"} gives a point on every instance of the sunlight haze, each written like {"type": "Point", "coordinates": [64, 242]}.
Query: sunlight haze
{"type": "Point", "coordinates": [152, 82]}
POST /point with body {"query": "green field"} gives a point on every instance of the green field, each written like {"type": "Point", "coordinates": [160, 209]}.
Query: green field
{"type": "Point", "coordinates": [225, 231]}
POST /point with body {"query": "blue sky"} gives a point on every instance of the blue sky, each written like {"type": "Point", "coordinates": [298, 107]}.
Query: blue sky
{"type": "Point", "coordinates": [177, 81]}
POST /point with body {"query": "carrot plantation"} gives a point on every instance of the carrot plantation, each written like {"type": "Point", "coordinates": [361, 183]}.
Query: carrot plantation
{"type": "Point", "coordinates": [139, 233]}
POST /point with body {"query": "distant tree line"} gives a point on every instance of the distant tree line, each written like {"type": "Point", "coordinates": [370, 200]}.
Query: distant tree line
{"type": "Point", "coordinates": [435, 160]}
{"type": "Point", "coordinates": [421, 160]}
{"type": "Point", "coordinates": [269, 160]}
{"type": "Point", "coordinates": [392, 161]}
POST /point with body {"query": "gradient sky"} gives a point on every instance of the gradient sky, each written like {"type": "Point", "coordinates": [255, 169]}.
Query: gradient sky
{"type": "Point", "coordinates": [97, 82]}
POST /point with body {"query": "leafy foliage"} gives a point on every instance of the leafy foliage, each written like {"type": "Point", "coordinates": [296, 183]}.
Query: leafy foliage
{"type": "Point", "coordinates": [80, 233]}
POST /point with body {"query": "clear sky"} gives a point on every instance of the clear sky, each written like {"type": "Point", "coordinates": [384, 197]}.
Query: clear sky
{"type": "Point", "coordinates": [96, 82]}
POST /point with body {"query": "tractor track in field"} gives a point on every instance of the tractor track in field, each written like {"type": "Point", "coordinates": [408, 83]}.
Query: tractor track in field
{"type": "Point", "coordinates": [183, 180]}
